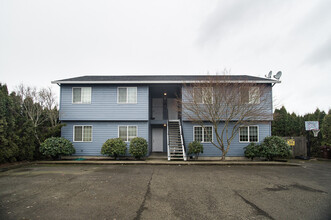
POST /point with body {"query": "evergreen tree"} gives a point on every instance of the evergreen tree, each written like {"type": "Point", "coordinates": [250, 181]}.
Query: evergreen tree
{"type": "Point", "coordinates": [326, 129]}
{"type": "Point", "coordinates": [8, 138]}
{"type": "Point", "coordinates": [280, 124]}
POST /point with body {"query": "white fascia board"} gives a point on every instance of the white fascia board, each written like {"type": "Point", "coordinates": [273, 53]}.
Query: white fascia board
{"type": "Point", "coordinates": [153, 82]}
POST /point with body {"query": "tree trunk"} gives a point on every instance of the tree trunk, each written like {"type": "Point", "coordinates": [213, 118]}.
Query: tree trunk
{"type": "Point", "coordinates": [36, 135]}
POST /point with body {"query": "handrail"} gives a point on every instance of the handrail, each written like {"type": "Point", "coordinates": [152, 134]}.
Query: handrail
{"type": "Point", "coordinates": [182, 139]}
{"type": "Point", "coordinates": [168, 147]}
{"type": "Point", "coordinates": [181, 124]}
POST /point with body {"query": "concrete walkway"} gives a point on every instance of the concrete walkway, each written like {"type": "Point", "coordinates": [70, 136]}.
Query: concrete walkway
{"type": "Point", "coordinates": [166, 162]}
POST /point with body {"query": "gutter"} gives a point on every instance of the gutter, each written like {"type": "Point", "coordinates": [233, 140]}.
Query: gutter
{"type": "Point", "coordinates": [59, 82]}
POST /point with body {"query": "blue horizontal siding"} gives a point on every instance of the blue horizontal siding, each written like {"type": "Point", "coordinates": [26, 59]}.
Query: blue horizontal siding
{"type": "Point", "coordinates": [103, 105]}
{"type": "Point", "coordinates": [266, 113]}
{"type": "Point", "coordinates": [236, 148]}
{"type": "Point", "coordinates": [101, 132]}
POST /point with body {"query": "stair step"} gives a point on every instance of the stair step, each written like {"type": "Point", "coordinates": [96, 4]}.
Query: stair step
{"type": "Point", "coordinates": [175, 145]}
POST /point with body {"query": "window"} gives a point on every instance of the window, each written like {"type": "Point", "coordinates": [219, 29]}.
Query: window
{"type": "Point", "coordinates": [203, 134]}
{"type": "Point", "coordinates": [203, 95]}
{"type": "Point", "coordinates": [127, 133]}
{"type": "Point", "coordinates": [249, 134]}
{"type": "Point", "coordinates": [254, 95]}
{"type": "Point", "coordinates": [81, 95]}
{"type": "Point", "coordinates": [250, 95]}
{"type": "Point", "coordinates": [126, 95]}
{"type": "Point", "coordinates": [82, 133]}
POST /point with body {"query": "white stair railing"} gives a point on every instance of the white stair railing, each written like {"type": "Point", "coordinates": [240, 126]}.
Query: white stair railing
{"type": "Point", "coordinates": [181, 137]}
{"type": "Point", "coordinates": [168, 147]}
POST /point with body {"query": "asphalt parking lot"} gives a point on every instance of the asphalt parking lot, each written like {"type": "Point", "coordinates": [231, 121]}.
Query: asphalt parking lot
{"type": "Point", "coordinates": [166, 192]}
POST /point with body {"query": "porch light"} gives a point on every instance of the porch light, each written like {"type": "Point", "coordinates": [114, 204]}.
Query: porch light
{"type": "Point", "coordinates": [164, 125]}
{"type": "Point", "coordinates": [165, 94]}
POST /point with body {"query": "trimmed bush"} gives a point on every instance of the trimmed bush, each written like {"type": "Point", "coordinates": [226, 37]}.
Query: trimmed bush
{"type": "Point", "coordinates": [114, 147]}
{"type": "Point", "coordinates": [273, 147]}
{"type": "Point", "coordinates": [56, 146]}
{"type": "Point", "coordinates": [252, 150]}
{"type": "Point", "coordinates": [138, 147]}
{"type": "Point", "coordinates": [195, 148]}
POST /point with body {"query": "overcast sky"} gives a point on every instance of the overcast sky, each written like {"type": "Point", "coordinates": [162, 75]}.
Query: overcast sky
{"type": "Point", "coordinates": [42, 41]}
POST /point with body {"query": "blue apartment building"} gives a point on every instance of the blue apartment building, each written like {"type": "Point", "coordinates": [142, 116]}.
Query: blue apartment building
{"type": "Point", "coordinates": [96, 108]}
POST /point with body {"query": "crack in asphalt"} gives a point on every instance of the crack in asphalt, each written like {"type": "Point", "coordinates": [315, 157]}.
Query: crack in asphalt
{"type": "Point", "coordinates": [259, 210]}
{"type": "Point", "coordinates": [296, 185]}
{"type": "Point", "coordinates": [148, 192]}
{"type": "Point", "coordinates": [307, 188]}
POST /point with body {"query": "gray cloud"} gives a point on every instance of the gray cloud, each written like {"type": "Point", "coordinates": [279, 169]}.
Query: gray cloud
{"type": "Point", "coordinates": [230, 18]}
{"type": "Point", "coordinates": [321, 55]}
{"type": "Point", "coordinates": [315, 30]}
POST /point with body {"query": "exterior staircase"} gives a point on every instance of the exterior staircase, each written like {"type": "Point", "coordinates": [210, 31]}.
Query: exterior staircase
{"type": "Point", "coordinates": [176, 149]}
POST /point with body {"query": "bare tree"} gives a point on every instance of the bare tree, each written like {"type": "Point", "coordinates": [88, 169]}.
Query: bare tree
{"type": "Point", "coordinates": [48, 97]}
{"type": "Point", "coordinates": [38, 105]}
{"type": "Point", "coordinates": [226, 105]}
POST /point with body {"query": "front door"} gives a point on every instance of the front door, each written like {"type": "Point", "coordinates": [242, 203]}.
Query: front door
{"type": "Point", "coordinates": [157, 139]}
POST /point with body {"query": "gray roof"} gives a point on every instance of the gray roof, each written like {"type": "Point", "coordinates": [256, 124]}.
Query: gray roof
{"type": "Point", "coordinates": [148, 79]}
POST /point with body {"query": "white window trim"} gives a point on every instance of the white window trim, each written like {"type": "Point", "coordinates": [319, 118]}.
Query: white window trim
{"type": "Point", "coordinates": [81, 102]}
{"type": "Point", "coordinates": [203, 136]}
{"type": "Point", "coordinates": [127, 95]}
{"type": "Point", "coordinates": [127, 130]}
{"type": "Point", "coordinates": [212, 95]}
{"type": "Point", "coordinates": [258, 134]}
{"type": "Point", "coordinates": [73, 133]}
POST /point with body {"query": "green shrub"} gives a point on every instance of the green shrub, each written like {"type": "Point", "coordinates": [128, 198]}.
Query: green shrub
{"type": "Point", "coordinates": [273, 147]}
{"type": "Point", "coordinates": [114, 147]}
{"type": "Point", "coordinates": [138, 147]}
{"type": "Point", "coordinates": [195, 148]}
{"type": "Point", "coordinates": [252, 150]}
{"type": "Point", "coordinates": [56, 146]}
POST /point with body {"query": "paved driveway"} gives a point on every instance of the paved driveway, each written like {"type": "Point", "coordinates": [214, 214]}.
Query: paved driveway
{"type": "Point", "coordinates": [166, 192]}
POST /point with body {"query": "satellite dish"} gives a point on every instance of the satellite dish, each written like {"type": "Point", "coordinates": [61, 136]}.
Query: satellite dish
{"type": "Point", "coordinates": [269, 75]}
{"type": "Point", "coordinates": [278, 75]}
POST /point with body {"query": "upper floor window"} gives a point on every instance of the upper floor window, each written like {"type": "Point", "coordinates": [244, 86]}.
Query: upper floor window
{"type": "Point", "coordinates": [250, 95]}
{"type": "Point", "coordinates": [126, 95]}
{"type": "Point", "coordinates": [203, 134]}
{"type": "Point", "coordinates": [127, 133]}
{"type": "Point", "coordinates": [203, 95]}
{"type": "Point", "coordinates": [249, 134]}
{"type": "Point", "coordinates": [82, 133]}
{"type": "Point", "coordinates": [81, 95]}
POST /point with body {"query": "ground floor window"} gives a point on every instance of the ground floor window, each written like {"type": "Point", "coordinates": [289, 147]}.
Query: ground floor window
{"type": "Point", "coordinates": [203, 134]}
{"type": "Point", "coordinates": [82, 133]}
{"type": "Point", "coordinates": [127, 132]}
{"type": "Point", "coordinates": [249, 134]}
